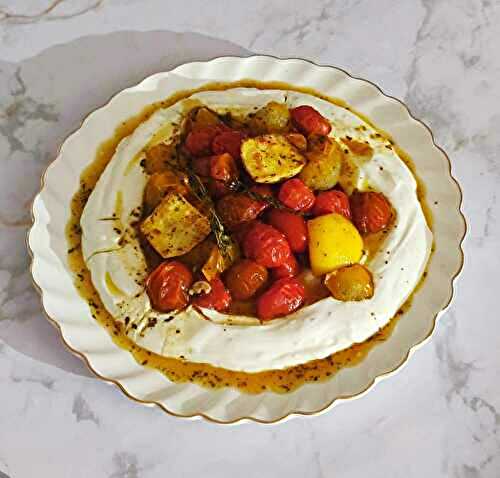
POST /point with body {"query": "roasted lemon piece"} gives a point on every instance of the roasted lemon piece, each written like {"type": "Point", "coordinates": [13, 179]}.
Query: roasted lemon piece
{"type": "Point", "coordinates": [333, 242]}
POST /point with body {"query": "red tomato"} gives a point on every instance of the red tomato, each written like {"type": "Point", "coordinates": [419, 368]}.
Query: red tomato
{"type": "Point", "coordinates": [218, 298]}
{"type": "Point", "coordinates": [237, 208]}
{"type": "Point", "coordinates": [241, 231]}
{"type": "Point", "coordinates": [199, 141]}
{"type": "Point", "coordinates": [167, 286]}
{"type": "Point", "coordinates": [309, 121]}
{"type": "Point", "coordinates": [217, 189]}
{"type": "Point", "coordinates": [292, 226]}
{"type": "Point", "coordinates": [289, 269]}
{"type": "Point", "coordinates": [332, 201]}
{"type": "Point", "coordinates": [371, 211]}
{"type": "Point", "coordinates": [228, 142]}
{"type": "Point", "coordinates": [296, 195]}
{"type": "Point", "coordinates": [266, 245]}
{"type": "Point", "coordinates": [223, 168]}
{"type": "Point", "coordinates": [282, 298]}
{"type": "Point", "coordinates": [201, 166]}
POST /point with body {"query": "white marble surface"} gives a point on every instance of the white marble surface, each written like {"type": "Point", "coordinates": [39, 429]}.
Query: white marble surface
{"type": "Point", "coordinates": [440, 417]}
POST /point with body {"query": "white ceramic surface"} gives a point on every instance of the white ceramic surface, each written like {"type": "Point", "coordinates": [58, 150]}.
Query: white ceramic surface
{"type": "Point", "coordinates": [82, 334]}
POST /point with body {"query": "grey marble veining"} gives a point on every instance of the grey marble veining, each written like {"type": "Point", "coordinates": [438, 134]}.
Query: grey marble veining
{"type": "Point", "coordinates": [439, 417]}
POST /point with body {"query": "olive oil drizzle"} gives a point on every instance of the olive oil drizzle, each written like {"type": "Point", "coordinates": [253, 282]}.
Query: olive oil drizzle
{"type": "Point", "coordinates": [178, 370]}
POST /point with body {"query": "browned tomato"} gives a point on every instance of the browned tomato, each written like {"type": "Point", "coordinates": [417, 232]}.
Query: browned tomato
{"type": "Point", "coordinates": [298, 140]}
{"type": "Point", "coordinates": [266, 245]}
{"type": "Point", "coordinates": [282, 298]}
{"type": "Point", "coordinates": [219, 298]}
{"type": "Point", "coordinates": [201, 166]}
{"type": "Point", "coordinates": [371, 211]}
{"type": "Point", "coordinates": [245, 278]}
{"type": "Point", "coordinates": [309, 121]}
{"type": "Point", "coordinates": [295, 195]}
{"type": "Point", "coordinates": [292, 226]}
{"type": "Point", "coordinates": [235, 209]}
{"type": "Point", "coordinates": [223, 168]}
{"type": "Point", "coordinates": [167, 286]}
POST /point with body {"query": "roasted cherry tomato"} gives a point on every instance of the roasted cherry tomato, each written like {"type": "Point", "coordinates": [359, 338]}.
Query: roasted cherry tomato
{"type": "Point", "coordinates": [288, 269]}
{"type": "Point", "coordinates": [292, 226]}
{"type": "Point", "coordinates": [282, 298]}
{"type": "Point", "coordinates": [167, 286]}
{"type": "Point", "coordinates": [223, 168]}
{"type": "Point", "coordinates": [296, 195]}
{"type": "Point", "coordinates": [201, 166]}
{"type": "Point", "coordinates": [332, 201]}
{"type": "Point", "coordinates": [371, 211]}
{"type": "Point", "coordinates": [263, 190]}
{"type": "Point", "coordinates": [241, 231]}
{"type": "Point", "coordinates": [235, 209]}
{"type": "Point", "coordinates": [199, 141]}
{"type": "Point", "coordinates": [245, 278]}
{"type": "Point", "coordinates": [309, 121]}
{"type": "Point", "coordinates": [217, 189]}
{"type": "Point", "coordinates": [219, 298]}
{"type": "Point", "coordinates": [228, 142]}
{"type": "Point", "coordinates": [266, 245]}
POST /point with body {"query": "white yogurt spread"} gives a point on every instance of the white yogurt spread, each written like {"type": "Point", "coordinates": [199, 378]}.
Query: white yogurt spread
{"type": "Point", "coordinates": [240, 343]}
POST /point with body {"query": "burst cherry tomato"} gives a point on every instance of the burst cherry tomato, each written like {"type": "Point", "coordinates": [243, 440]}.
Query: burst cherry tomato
{"type": "Point", "coordinates": [282, 298]}
{"type": "Point", "coordinates": [223, 168]}
{"type": "Point", "coordinates": [332, 201]}
{"type": "Point", "coordinates": [371, 211]}
{"type": "Point", "coordinates": [266, 245]}
{"type": "Point", "coordinates": [228, 142]}
{"type": "Point", "coordinates": [218, 298]}
{"type": "Point", "coordinates": [296, 195]}
{"type": "Point", "coordinates": [309, 121]}
{"type": "Point", "coordinates": [167, 286]}
{"type": "Point", "coordinates": [288, 269]}
{"type": "Point", "coordinates": [199, 141]}
{"type": "Point", "coordinates": [235, 209]}
{"type": "Point", "coordinates": [245, 278]}
{"type": "Point", "coordinates": [292, 226]}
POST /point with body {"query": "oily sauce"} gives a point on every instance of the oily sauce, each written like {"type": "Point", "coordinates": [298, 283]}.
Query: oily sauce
{"type": "Point", "coordinates": [279, 381]}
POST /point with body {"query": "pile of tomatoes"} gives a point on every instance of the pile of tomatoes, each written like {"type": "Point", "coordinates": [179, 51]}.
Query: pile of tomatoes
{"type": "Point", "coordinates": [273, 240]}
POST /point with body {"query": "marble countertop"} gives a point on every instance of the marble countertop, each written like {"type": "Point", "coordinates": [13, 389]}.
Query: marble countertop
{"type": "Point", "coordinates": [440, 417]}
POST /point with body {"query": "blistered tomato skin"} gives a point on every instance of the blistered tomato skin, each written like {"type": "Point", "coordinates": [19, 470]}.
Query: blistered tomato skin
{"type": "Point", "coordinates": [309, 121]}
{"type": "Point", "coordinates": [282, 298]}
{"type": "Point", "coordinates": [167, 286]}
{"type": "Point", "coordinates": [219, 298]}
{"type": "Point", "coordinates": [295, 195]}
{"type": "Point", "coordinates": [290, 268]}
{"type": "Point", "coordinates": [199, 141]}
{"type": "Point", "coordinates": [292, 226]}
{"type": "Point", "coordinates": [332, 201]}
{"type": "Point", "coordinates": [245, 278]}
{"type": "Point", "coordinates": [266, 245]}
{"type": "Point", "coordinates": [228, 142]}
{"type": "Point", "coordinates": [371, 211]}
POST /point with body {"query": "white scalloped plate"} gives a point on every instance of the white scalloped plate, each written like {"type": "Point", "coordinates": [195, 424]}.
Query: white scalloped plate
{"type": "Point", "coordinates": [85, 337]}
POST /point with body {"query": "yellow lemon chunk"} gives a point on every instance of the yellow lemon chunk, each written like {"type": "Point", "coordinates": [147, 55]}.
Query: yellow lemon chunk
{"type": "Point", "coordinates": [333, 242]}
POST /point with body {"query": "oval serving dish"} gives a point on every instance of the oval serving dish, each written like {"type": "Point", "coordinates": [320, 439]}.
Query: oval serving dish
{"type": "Point", "coordinates": [85, 337]}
